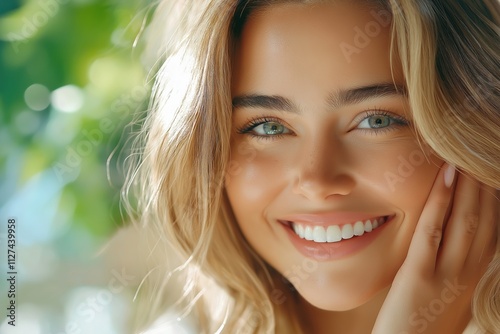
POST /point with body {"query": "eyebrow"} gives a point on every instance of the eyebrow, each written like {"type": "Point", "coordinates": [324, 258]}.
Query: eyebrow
{"type": "Point", "coordinates": [264, 101]}
{"type": "Point", "coordinates": [335, 100]}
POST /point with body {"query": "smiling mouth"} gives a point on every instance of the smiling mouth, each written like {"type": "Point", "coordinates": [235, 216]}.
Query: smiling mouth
{"type": "Point", "coordinates": [336, 233]}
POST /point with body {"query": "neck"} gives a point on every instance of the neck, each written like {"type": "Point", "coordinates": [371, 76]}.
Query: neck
{"type": "Point", "coordinates": [356, 321]}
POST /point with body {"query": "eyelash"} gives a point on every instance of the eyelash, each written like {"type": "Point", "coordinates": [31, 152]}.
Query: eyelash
{"type": "Point", "coordinates": [399, 121]}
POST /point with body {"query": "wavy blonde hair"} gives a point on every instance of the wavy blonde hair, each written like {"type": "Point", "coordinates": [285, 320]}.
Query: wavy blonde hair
{"type": "Point", "coordinates": [450, 55]}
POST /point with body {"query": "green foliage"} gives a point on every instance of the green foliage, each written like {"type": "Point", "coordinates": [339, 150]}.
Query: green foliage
{"type": "Point", "coordinates": [70, 82]}
{"type": "Point", "coordinates": [86, 46]}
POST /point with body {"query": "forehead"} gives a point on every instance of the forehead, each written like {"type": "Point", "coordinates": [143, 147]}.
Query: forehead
{"type": "Point", "coordinates": [313, 43]}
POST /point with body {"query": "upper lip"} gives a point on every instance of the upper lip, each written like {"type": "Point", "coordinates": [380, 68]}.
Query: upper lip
{"type": "Point", "coordinates": [330, 218]}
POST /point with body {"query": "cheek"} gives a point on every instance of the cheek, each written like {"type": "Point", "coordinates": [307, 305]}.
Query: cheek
{"type": "Point", "coordinates": [252, 181]}
{"type": "Point", "coordinates": [400, 178]}
{"type": "Point", "coordinates": [408, 176]}
{"type": "Point", "coordinates": [401, 174]}
{"type": "Point", "coordinates": [410, 180]}
{"type": "Point", "coordinates": [249, 179]}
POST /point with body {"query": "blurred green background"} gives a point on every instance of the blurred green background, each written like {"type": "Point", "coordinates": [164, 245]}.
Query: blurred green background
{"type": "Point", "coordinates": [71, 79]}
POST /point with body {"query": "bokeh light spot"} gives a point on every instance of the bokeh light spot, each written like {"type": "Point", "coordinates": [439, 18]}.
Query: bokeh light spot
{"type": "Point", "coordinates": [37, 97]}
{"type": "Point", "coordinates": [68, 98]}
{"type": "Point", "coordinates": [27, 122]}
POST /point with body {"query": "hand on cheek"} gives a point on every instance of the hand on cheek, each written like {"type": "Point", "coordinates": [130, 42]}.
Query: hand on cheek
{"type": "Point", "coordinates": [454, 240]}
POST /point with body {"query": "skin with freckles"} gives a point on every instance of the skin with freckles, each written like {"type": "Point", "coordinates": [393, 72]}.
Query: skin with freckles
{"type": "Point", "coordinates": [301, 149]}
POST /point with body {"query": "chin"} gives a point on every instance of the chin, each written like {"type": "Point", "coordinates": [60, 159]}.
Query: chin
{"type": "Point", "coordinates": [338, 297]}
{"type": "Point", "coordinates": [335, 302]}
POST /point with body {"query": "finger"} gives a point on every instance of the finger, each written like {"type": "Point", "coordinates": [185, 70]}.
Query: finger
{"type": "Point", "coordinates": [428, 232]}
{"type": "Point", "coordinates": [484, 243]}
{"type": "Point", "coordinates": [461, 226]}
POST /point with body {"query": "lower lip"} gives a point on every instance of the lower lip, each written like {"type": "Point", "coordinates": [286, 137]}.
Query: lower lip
{"type": "Point", "coordinates": [328, 251]}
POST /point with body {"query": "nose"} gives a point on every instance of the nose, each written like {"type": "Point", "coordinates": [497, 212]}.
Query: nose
{"type": "Point", "coordinates": [323, 172]}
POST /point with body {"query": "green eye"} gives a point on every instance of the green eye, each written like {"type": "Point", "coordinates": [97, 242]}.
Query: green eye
{"type": "Point", "coordinates": [266, 127]}
{"type": "Point", "coordinates": [382, 120]}
{"type": "Point", "coordinates": [270, 129]}
{"type": "Point", "coordinates": [376, 122]}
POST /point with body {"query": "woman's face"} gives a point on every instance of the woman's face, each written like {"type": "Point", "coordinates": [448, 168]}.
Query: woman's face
{"type": "Point", "coordinates": [322, 148]}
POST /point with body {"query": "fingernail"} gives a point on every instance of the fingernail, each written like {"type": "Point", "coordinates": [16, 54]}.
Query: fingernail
{"type": "Point", "coordinates": [449, 175]}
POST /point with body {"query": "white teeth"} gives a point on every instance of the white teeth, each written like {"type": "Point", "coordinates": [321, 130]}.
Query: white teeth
{"type": "Point", "coordinates": [368, 226]}
{"type": "Point", "coordinates": [308, 233]}
{"type": "Point", "coordinates": [335, 233]}
{"type": "Point", "coordinates": [319, 234]}
{"type": "Point", "coordinates": [359, 228]}
{"type": "Point", "coordinates": [347, 231]}
{"type": "Point", "coordinates": [300, 230]}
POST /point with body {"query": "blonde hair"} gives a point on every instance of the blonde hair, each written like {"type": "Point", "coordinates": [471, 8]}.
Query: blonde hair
{"type": "Point", "coordinates": [449, 51]}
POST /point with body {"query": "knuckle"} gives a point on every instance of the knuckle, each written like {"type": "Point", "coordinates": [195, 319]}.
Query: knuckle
{"type": "Point", "coordinates": [471, 222]}
{"type": "Point", "coordinates": [434, 235]}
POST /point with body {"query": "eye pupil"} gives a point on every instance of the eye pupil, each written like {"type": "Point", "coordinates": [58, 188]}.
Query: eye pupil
{"type": "Point", "coordinates": [380, 121]}
{"type": "Point", "coordinates": [273, 128]}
